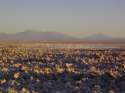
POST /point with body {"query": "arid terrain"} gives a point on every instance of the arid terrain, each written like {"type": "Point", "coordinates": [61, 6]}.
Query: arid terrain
{"type": "Point", "coordinates": [62, 68]}
{"type": "Point", "coordinates": [62, 46]}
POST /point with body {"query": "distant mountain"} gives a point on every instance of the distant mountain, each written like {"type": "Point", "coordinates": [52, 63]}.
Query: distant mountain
{"type": "Point", "coordinates": [104, 38]}
{"type": "Point", "coordinates": [99, 37]}
{"type": "Point", "coordinates": [56, 36]}
{"type": "Point", "coordinates": [36, 36]}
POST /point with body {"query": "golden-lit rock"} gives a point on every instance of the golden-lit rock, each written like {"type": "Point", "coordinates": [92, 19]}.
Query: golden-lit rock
{"type": "Point", "coordinates": [93, 71]}
{"type": "Point", "coordinates": [16, 75]}
{"type": "Point", "coordinates": [17, 65]}
{"type": "Point", "coordinates": [59, 69]}
{"type": "Point", "coordinates": [3, 81]}
{"type": "Point", "coordinates": [48, 70]}
{"type": "Point", "coordinates": [4, 69]}
{"type": "Point", "coordinates": [12, 90]}
{"type": "Point", "coordinates": [123, 65]}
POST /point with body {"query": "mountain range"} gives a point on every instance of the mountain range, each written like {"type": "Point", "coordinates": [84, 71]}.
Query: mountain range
{"type": "Point", "coordinates": [56, 36]}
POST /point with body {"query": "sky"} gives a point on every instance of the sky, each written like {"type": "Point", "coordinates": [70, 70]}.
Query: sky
{"type": "Point", "coordinates": [78, 18]}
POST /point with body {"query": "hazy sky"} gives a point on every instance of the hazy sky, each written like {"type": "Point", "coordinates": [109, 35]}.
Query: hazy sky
{"type": "Point", "coordinates": [75, 17]}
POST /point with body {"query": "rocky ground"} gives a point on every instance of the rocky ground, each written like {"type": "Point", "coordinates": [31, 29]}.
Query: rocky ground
{"type": "Point", "coordinates": [36, 70]}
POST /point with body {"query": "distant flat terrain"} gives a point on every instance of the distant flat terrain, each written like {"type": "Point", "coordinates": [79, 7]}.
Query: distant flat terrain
{"type": "Point", "coordinates": [62, 44]}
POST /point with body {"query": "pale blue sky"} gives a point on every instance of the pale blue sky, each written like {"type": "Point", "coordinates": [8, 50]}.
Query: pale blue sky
{"type": "Point", "coordinates": [74, 17]}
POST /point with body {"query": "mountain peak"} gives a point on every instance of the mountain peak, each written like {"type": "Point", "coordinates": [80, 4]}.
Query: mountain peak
{"type": "Point", "coordinates": [30, 35]}
{"type": "Point", "coordinates": [98, 36]}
